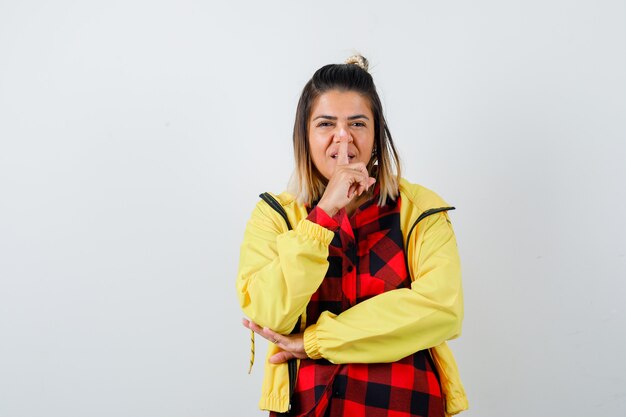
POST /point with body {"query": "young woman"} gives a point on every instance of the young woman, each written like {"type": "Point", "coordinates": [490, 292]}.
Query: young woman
{"type": "Point", "coordinates": [353, 275]}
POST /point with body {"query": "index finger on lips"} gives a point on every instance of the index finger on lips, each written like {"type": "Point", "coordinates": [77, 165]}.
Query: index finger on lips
{"type": "Point", "coordinates": [342, 154]}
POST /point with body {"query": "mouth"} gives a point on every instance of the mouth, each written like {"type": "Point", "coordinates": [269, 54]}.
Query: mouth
{"type": "Point", "coordinates": [350, 155]}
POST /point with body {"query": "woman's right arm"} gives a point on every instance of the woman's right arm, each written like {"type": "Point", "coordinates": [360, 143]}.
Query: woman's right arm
{"type": "Point", "coordinates": [279, 270]}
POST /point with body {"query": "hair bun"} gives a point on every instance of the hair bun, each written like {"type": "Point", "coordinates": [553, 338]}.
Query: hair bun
{"type": "Point", "coordinates": [358, 60]}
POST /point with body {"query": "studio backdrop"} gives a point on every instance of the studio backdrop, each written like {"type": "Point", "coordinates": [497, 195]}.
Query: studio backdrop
{"type": "Point", "coordinates": [136, 136]}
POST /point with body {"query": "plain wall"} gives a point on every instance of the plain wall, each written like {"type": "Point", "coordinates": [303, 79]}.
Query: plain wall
{"type": "Point", "coordinates": [135, 137]}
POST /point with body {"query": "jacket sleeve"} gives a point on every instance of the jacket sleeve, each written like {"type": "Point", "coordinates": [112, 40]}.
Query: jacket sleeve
{"type": "Point", "coordinates": [397, 323]}
{"type": "Point", "coordinates": [279, 270]}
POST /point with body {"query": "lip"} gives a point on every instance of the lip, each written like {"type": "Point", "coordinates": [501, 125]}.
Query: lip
{"type": "Point", "coordinates": [350, 155]}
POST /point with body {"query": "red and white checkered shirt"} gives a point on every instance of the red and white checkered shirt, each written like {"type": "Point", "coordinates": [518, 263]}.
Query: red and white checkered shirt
{"type": "Point", "coordinates": [366, 258]}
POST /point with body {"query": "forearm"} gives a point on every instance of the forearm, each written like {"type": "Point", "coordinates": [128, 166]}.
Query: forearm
{"type": "Point", "coordinates": [278, 275]}
{"type": "Point", "coordinates": [397, 323]}
{"type": "Point", "coordinates": [384, 328]}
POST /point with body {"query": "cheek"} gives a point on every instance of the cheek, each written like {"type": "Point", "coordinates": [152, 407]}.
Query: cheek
{"type": "Point", "coordinates": [366, 145]}
{"type": "Point", "coordinates": [317, 149]}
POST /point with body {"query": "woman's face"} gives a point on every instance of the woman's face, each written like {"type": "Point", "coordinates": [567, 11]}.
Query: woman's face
{"type": "Point", "coordinates": [338, 116]}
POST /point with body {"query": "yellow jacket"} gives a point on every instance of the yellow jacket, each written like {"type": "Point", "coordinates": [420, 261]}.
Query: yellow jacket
{"type": "Point", "coordinates": [280, 269]}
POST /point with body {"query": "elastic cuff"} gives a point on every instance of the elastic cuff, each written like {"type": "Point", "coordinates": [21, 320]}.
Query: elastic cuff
{"type": "Point", "coordinates": [319, 216]}
{"type": "Point", "coordinates": [315, 231]}
{"type": "Point", "coordinates": [311, 344]}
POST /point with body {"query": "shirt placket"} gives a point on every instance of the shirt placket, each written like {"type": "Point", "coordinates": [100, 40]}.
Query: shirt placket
{"type": "Point", "coordinates": [348, 260]}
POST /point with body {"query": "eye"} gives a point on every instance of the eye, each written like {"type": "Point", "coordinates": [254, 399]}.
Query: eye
{"type": "Point", "coordinates": [358, 124]}
{"type": "Point", "coordinates": [324, 124]}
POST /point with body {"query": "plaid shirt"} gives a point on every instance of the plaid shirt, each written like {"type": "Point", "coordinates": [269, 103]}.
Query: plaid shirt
{"type": "Point", "coordinates": [366, 258]}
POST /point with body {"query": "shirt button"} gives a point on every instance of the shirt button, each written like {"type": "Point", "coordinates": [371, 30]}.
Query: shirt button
{"type": "Point", "coordinates": [350, 268]}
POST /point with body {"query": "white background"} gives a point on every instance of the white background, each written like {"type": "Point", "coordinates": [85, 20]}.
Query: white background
{"type": "Point", "coordinates": [135, 137]}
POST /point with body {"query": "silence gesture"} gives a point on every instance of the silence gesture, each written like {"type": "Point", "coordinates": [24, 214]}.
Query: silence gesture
{"type": "Point", "coordinates": [347, 181]}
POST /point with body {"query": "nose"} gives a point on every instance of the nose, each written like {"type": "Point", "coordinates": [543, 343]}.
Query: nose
{"type": "Point", "coordinates": [342, 135]}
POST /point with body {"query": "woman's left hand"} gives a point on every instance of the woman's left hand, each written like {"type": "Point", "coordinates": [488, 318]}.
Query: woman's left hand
{"type": "Point", "coordinates": [292, 346]}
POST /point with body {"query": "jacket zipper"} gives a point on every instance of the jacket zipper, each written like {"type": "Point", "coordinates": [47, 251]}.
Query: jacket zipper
{"type": "Point", "coordinates": [292, 363]}
{"type": "Point", "coordinates": [421, 217]}
{"type": "Point", "coordinates": [267, 197]}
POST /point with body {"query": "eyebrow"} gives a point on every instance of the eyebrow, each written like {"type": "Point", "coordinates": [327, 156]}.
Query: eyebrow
{"type": "Point", "coordinates": [356, 116]}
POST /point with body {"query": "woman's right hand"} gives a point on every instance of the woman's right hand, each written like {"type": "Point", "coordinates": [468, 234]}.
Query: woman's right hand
{"type": "Point", "coordinates": [292, 346]}
{"type": "Point", "coordinates": [347, 182]}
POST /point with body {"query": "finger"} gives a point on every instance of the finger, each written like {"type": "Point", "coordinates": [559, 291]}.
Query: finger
{"type": "Point", "coordinates": [260, 331]}
{"type": "Point", "coordinates": [342, 154]}
{"type": "Point", "coordinates": [360, 167]}
{"type": "Point", "coordinates": [247, 323]}
{"type": "Point", "coordinates": [359, 182]}
{"type": "Point", "coordinates": [264, 332]}
{"type": "Point", "coordinates": [352, 190]}
{"type": "Point", "coordinates": [371, 181]}
{"type": "Point", "coordinates": [361, 189]}
{"type": "Point", "coordinates": [354, 172]}
{"type": "Point", "coordinates": [255, 328]}
{"type": "Point", "coordinates": [281, 357]}
{"type": "Point", "coordinates": [272, 336]}
{"type": "Point", "coordinates": [358, 171]}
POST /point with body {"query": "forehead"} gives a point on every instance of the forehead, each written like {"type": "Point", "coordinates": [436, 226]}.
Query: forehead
{"type": "Point", "coordinates": [341, 103]}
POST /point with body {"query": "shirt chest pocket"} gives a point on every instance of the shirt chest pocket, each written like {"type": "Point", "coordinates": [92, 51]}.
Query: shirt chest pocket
{"type": "Point", "coordinates": [386, 267]}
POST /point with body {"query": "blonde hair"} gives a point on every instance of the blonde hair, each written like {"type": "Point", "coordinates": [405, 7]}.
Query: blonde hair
{"type": "Point", "coordinates": [306, 183]}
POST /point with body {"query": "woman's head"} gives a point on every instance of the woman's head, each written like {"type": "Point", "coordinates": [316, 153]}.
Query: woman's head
{"type": "Point", "coordinates": [340, 103]}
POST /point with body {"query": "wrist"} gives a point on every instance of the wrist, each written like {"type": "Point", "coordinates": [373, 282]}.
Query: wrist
{"type": "Point", "coordinates": [331, 211]}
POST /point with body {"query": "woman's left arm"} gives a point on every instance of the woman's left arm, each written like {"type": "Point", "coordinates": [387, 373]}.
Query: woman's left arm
{"type": "Point", "coordinates": [397, 323]}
